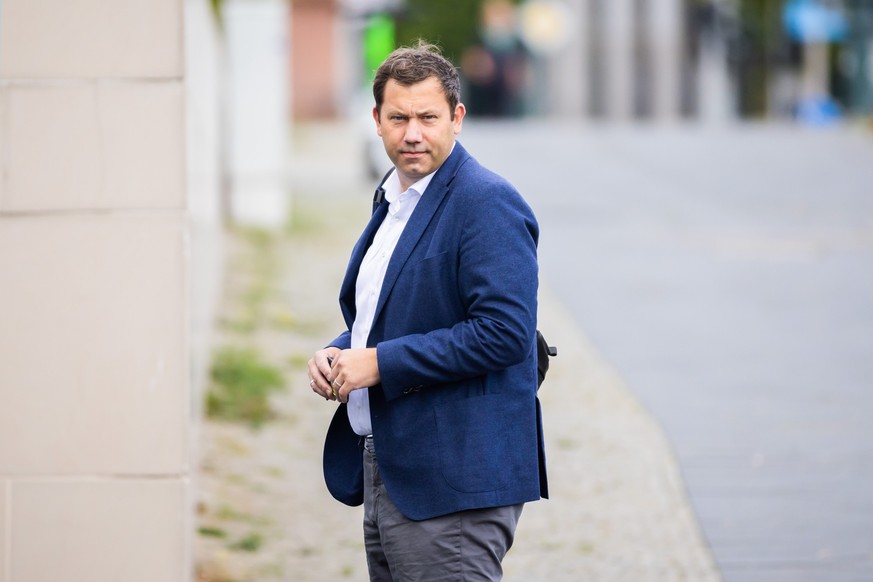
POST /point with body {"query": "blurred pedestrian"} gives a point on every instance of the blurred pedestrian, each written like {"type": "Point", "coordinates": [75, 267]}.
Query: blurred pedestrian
{"type": "Point", "coordinates": [495, 67]}
{"type": "Point", "coordinates": [438, 430]}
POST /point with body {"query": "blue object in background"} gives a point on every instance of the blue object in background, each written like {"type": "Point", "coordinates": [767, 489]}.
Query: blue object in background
{"type": "Point", "coordinates": [819, 111]}
{"type": "Point", "coordinates": [810, 21]}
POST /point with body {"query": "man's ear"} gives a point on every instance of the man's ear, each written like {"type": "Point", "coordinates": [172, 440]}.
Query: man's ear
{"type": "Point", "coordinates": [378, 123]}
{"type": "Point", "coordinates": [458, 121]}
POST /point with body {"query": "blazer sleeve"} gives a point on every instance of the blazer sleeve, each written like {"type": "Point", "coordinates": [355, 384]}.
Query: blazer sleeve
{"type": "Point", "coordinates": [343, 341]}
{"type": "Point", "coordinates": [497, 284]}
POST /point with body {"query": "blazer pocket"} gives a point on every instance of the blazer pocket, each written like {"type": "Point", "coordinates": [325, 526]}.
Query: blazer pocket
{"type": "Point", "coordinates": [437, 264]}
{"type": "Point", "coordinates": [468, 433]}
{"type": "Point", "coordinates": [425, 275]}
{"type": "Point", "coordinates": [428, 292]}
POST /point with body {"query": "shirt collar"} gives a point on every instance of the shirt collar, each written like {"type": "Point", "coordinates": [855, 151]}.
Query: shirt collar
{"type": "Point", "coordinates": [392, 187]}
{"type": "Point", "coordinates": [392, 184]}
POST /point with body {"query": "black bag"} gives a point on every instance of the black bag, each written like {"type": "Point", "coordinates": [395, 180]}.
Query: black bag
{"type": "Point", "coordinates": [544, 352]}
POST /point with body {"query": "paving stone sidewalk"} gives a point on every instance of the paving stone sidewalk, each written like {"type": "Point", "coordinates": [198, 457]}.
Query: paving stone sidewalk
{"type": "Point", "coordinates": [618, 509]}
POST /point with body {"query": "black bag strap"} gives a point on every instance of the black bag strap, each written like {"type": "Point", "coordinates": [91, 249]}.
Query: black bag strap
{"type": "Point", "coordinates": [379, 194]}
{"type": "Point", "coordinates": [544, 352]}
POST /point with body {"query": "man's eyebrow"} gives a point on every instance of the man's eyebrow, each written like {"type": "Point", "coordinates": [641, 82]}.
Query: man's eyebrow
{"type": "Point", "coordinates": [397, 112]}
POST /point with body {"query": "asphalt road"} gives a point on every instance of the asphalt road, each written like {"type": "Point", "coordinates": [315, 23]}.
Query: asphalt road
{"type": "Point", "coordinates": [727, 273]}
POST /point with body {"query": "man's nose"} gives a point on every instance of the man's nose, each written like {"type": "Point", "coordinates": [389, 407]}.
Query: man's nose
{"type": "Point", "coordinates": [413, 131]}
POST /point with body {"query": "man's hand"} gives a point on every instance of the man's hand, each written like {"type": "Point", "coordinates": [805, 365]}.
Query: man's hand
{"type": "Point", "coordinates": [319, 370]}
{"type": "Point", "coordinates": [335, 373]}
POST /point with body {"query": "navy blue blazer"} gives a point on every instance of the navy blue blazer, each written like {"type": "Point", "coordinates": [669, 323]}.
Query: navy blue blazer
{"type": "Point", "coordinates": [456, 419]}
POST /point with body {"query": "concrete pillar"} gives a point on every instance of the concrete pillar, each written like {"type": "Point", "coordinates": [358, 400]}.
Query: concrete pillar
{"type": "Point", "coordinates": [257, 109]}
{"type": "Point", "coordinates": [664, 23]}
{"type": "Point", "coordinates": [816, 68]}
{"type": "Point", "coordinates": [94, 357]}
{"type": "Point", "coordinates": [715, 102]}
{"type": "Point", "coordinates": [618, 69]}
{"type": "Point", "coordinates": [203, 152]}
{"type": "Point", "coordinates": [568, 70]}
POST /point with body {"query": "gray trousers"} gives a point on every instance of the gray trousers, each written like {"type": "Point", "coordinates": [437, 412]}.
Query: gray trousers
{"type": "Point", "coordinates": [464, 546]}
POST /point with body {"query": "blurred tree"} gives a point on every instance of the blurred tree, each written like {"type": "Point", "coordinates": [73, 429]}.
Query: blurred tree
{"type": "Point", "coordinates": [451, 24]}
{"type": "Point", "coordinates": [480, 37]}
{"type": "Point", "coordinates": [216, 9]}
{"type": "Point", "coordinates": [761, 44]}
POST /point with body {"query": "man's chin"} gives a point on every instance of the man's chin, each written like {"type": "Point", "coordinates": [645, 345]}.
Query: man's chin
{"type": "Point", "coordinates": [413, 169]}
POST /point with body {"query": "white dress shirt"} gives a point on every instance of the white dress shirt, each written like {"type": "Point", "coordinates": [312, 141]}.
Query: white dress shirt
{"type": "Point", "coordinates": [370, 277]}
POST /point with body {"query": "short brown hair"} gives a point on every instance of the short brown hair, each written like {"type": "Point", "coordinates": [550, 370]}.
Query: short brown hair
{"type": "Point", "coordinates": [410, 65]}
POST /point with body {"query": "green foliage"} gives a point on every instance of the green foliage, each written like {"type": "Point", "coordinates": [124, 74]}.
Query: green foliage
{"type": "Point", "coordinates": [216, 11]}
{"type": "Point", "coordinates": [228, 513]}
{"type": "Point", "coordinates": [241, 386]}
{"type": "Point", "coordinates": [212, 532]}
{"type": "Point", "coordinates": [250, 543]}
{"type": "Point", "coordinates": [762, 37]}
{"type": "Point", "coordinates": [451, 24]}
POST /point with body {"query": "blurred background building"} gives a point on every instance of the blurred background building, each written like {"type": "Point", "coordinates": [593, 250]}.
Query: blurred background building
{"type": "Point", "coordinates": [131, 132]}
{"type": "Point", "coordinates": [615, 60]}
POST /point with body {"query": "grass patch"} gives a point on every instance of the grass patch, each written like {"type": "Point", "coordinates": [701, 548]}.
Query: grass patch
{"type": "Point", "coordinates": [250, 543]}
{"type": "Point", "coordinates": [241, 386]}
{"type": "Point", "coordinates": [228, 513]}
{"type": "Point", "coordinates": [212, 532]}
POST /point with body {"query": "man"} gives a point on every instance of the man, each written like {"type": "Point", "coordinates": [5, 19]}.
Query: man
{"type": "Point", "coordinates": [438, 431]}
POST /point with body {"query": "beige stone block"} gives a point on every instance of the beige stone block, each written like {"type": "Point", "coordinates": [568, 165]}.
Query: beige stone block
{"type": "Point", "coordinates": [104, 145]}
{"type": "Point", "coordinates": [53, 148]}
{"type": "Point", "coordinates": [142, 125]}
{"type": "Point", "coordinates": [94, 374]}
{"type": "Point", "coordinates": [4, 512]}
{"type": "Point", "coordinates": [3, 132]}
{"type": "Point", "coordinates": [90, 38]}
{"type": "Point", "coordinates": [99, 531]}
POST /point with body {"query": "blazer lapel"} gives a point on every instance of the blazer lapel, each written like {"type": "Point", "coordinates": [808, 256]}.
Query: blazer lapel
{"type": "Point", "coordinates": [347, 290]}
{"type": "Point", "coordinates": [421, 217]}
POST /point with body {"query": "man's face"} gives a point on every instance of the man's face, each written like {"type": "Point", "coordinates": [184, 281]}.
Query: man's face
{"type": "Point", "coordinates": [417, 128]}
